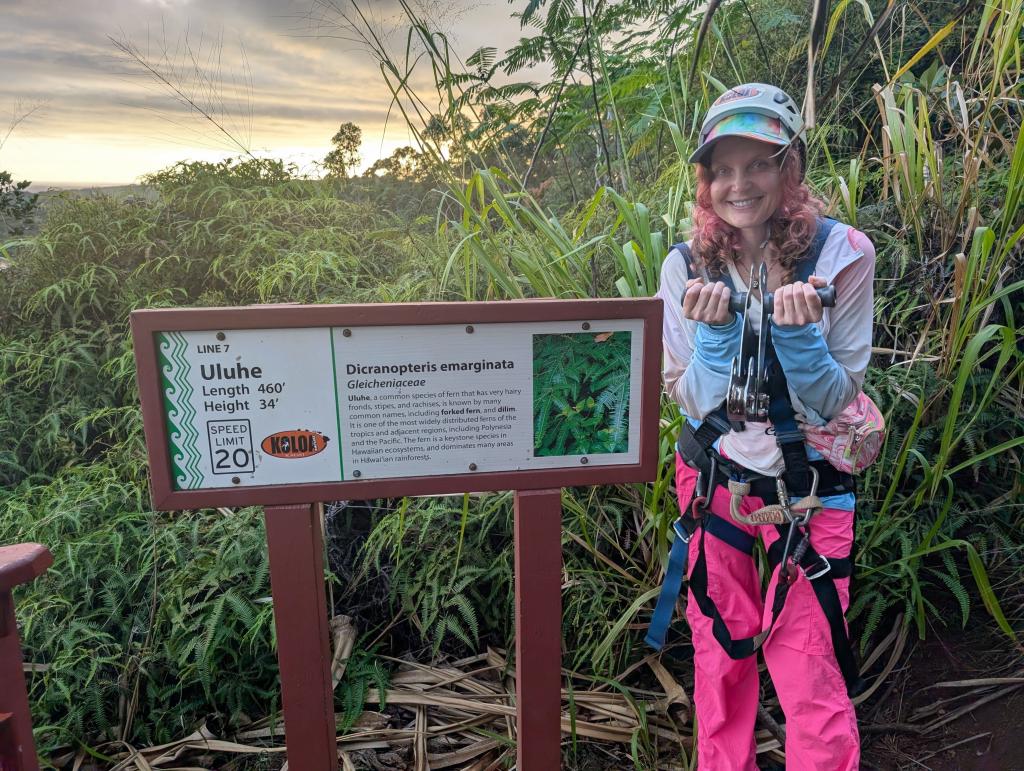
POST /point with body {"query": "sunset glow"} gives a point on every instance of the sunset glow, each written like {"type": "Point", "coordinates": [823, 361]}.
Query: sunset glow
{"type": "Point", "coordinates": [278, 83]}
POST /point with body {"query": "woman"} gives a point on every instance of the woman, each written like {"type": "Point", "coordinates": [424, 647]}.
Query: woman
{"type": "Point", "coordinates": [752, 207]}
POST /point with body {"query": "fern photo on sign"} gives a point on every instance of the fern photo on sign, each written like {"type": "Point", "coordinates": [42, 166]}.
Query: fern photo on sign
{"type": "Point", "coordinates": [581, 393]}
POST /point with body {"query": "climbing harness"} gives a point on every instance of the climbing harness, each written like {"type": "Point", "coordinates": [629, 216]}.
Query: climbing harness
{"type": "Point", "coordinates": [792, 550]}
{"type": "Point", "coordinates": [758, 392]}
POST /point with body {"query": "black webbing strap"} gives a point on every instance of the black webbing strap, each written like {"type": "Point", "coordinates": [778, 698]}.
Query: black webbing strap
{"type": "Point", "coordinates": [805, 267]}
{"type": "Point", "coordinates": [694, 444]}
{"type": "Point", "coordinates": [841, 567]}
{"type": "Point", "coordinates": [788, 436]}
{"type": "Point", "coordinates": [828, 597]}
{"type": "Point", "coordinates": [714, 425]}
{"type": "Point", "coordinates": [822, 573]}
{"type": "Point", "coordinates": [726, 531]}
{"type": "Point", "coordinates": [735, 649]}
{"type": "Point", "coordinates": [831, 481]}
{"type": "Point", "coordinates": [824, 589]}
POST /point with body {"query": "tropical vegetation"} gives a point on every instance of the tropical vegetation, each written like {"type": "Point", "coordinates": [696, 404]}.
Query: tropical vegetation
{"type": "Point", "coordinates": [571, 184]}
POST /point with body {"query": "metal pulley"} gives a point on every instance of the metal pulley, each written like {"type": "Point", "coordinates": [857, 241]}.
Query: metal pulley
{"type": "Point", "coordinates": [747, 396]}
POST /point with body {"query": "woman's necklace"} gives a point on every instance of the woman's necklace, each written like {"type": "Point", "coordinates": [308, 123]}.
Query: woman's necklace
{"type": "Point", "coordinates": [755, 284]}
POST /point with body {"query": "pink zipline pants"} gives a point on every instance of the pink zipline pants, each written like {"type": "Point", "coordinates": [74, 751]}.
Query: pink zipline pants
{"type": "Point", "coordinates": [821, 727]}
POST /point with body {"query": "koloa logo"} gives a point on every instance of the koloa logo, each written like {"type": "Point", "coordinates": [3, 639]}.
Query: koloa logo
{"type": "Point", "coordinates": [300, 443]}
{"type": "Point", "coordinates": [740, 92]}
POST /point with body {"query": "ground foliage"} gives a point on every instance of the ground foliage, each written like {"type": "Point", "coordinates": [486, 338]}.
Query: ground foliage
{"type": "Point", "coordinates": [150, 624]}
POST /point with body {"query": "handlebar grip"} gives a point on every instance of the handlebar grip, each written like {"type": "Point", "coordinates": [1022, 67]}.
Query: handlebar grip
{"type": "Point", "coordinates": [828, 296]}
{"type": "Point", "coordinates": [738, 300]}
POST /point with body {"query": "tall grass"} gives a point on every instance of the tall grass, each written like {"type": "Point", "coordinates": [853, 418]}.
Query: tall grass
{"type": "Point", "coordinates": [934, 152]}
{"type": "Point", "coordinates": [149, 624]}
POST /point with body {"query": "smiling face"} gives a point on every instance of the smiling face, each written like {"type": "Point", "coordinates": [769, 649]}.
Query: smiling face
{"type": "Point", "coordinates": [746, 184]}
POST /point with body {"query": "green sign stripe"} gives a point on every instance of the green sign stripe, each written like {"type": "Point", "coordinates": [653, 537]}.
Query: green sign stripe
{"type": "Point", "coordinates": [179, 389]}
{"type": "Point", "coordinates": [170, 395]}
{"type": "Point", "coordinates": [337, 405]}
{"type": "Point", "coordinates": [190, 413]}
{"type": "Point", "coordinates": [192, 435]}
{"type": "Point", "coordinates": [174, 370]}
{"type": "Point", "coordinates": [187, 414]}
{"type": "Point", "coordinates": [184, 407]}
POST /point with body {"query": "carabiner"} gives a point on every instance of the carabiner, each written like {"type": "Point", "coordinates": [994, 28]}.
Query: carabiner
{"type": "Point", "coordinates": [783, 493]}
{"type": "Point", "coordinates": [787, 570]}
{"type": "Point", "coordinates": [703, 493]}
{"type": "Point", "coordinates": [699, 506]}
{"type": "Point", "coordinates": [699, 498]}
{"type": "Point", "coordinates": [786, 504]}
{"type": "Point", "coordinates": [803, 520]}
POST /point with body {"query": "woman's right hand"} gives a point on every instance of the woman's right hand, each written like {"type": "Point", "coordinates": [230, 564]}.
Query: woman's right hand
{"type": "Point", "coordinates": [708, 303]}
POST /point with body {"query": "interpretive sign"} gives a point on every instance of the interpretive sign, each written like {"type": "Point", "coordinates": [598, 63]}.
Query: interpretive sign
{"type": "Point", "coordinates": [278, 405]}
{"type": "Point", "coordinates": [288, 404]}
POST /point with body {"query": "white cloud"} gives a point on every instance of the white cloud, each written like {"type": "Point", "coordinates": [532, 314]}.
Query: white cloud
{"type": "Point", "coordinates": [107, 122]}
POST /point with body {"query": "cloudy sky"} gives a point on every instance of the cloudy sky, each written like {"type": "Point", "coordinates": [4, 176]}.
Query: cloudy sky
{"type": "Point", "coordinates": [280, 82]}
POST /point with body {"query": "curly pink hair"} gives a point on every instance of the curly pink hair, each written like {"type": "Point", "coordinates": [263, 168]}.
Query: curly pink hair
{"type": "Point", "coordinates": [793, 225]}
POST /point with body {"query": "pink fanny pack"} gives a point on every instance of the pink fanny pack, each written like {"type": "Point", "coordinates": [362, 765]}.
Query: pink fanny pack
{"type": "Point", "coordinates": [852, 440]}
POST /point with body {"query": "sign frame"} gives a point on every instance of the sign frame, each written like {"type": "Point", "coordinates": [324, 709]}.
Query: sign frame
{"type": "Point", "coordinates": [145, 324]}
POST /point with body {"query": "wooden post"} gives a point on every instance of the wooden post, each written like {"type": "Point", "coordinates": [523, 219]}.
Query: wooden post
{"type": "Point", "coordinates": [303, 645]}
{"type": "Point", "coordinates": [18, 565]}
{"type": "Point", "coordinates": [538, 560]}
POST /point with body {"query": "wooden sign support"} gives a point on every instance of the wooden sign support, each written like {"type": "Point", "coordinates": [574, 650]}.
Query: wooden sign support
{"type": "Point", "coordinates": [214, 397]}
{"type": "Point", "coordinates": [295, 544]}
{"type": "Point", "coordinates": [538, 560]}
{"type": "Point", "coordinates": [303, 641]}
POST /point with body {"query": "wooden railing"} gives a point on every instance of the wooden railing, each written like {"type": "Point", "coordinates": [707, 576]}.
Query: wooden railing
{"type": "Point", "coordinates": [18, 565]}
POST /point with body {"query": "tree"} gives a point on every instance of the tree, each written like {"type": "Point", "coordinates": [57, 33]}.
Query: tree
{"type": "Point", "coordinates": [345, 155]}
{"type": "Point", "coordinates": [404, 163]}
{"type": "Point", "coordinates": [17, 205]}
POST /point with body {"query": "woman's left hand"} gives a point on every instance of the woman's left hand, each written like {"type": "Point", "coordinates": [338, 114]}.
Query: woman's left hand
{"type": "Point", "coordinates": [798, 303]}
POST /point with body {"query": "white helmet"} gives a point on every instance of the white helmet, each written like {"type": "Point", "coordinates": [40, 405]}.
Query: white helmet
{"type": "Point", "coordinates": [754, 110]}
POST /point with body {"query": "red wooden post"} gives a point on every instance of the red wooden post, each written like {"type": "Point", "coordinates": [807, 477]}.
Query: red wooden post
{"type": "Point", "coordinates": [538, 549]}
{"type": "Point", "coordinates": [18, 565]}
{"type": "Point", "coordinates": [303, 645]}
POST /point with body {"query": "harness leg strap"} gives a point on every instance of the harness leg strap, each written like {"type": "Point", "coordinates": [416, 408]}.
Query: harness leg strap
{"type": "Point", "coordinates": [828, 597]}
{"type": "Point", "coordinates": [670, 587]}
{"type": "Point", "coordinates": [822, 572]}
{"type": "Point", "coordinates": [824, 589]}
{"type": "Point", "coordinates": [676, 569]}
